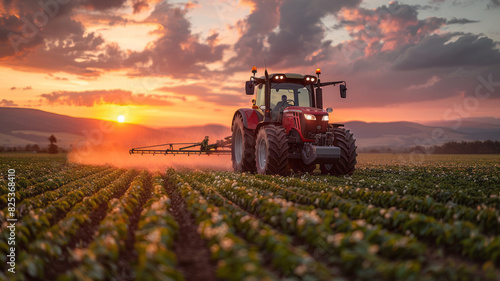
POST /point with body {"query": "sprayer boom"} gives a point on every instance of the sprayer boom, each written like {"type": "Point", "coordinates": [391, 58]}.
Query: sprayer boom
{"type": "Point", "coordinates": [220, 147]}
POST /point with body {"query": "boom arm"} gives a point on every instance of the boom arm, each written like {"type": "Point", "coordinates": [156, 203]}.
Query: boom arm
{"type": "Point", "coordinates": [331, 83]}
{"type": "Point", "coordinates": [220, 147]}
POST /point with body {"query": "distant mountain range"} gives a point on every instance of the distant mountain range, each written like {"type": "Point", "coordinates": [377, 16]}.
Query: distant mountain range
{"type": "Point", "coordinates": [22, 126]}
{"type": "Point", "coordinates": [401, 135]}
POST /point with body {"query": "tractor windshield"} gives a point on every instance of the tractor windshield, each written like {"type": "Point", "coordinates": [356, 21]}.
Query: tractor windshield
{"type": "Point", "coordinates": [297, 94]}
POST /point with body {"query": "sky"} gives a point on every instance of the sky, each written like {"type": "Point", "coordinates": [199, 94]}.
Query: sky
{"type": "Point", "coordinates": [181, 63]}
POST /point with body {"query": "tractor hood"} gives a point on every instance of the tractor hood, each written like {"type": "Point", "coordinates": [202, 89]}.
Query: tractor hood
{"type": "Point", "coordinates": [306, 110]}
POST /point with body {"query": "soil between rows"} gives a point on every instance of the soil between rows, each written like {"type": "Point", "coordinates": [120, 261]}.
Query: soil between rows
{"type": "Point", "coordinates": [130, 254]}
{"type": "Point", "coordinates": [84, 236]}
{"type": "Point", "coordinates": [192, 253]}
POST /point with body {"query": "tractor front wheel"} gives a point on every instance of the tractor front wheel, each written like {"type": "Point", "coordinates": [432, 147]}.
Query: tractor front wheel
{"type": "Point", "coordinates": [271, 150]}
{"type": "Point", "coordinates": [242, 147]}
{"type": "Point", "coordinates": [346, 164]}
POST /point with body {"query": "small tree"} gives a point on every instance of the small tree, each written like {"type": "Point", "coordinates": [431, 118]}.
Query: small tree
{"type": "Point", "coordinates": [53, 147]}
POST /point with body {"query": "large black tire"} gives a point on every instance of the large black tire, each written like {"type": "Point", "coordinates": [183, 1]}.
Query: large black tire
{"type": "Point", "coordinates": [271, 150]}
{"type": "Point", "coordinates": [347, 163]}
{"type": "Point", "coordinates": [242, 147]}
{"type": "Point", "coordinates": [298, 166]}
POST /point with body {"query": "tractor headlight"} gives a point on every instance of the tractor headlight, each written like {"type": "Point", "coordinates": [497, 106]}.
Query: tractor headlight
{"type": "Point", "coordinates": [309, 117]}
{"type": "Point", "coordinates": [325, 118]}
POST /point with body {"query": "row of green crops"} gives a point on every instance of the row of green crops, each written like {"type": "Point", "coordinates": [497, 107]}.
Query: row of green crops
{"type": "Point", "coordinates": [51, 246]}
{"type": "Point", "coordinates": [383, 223]}
{"type": "Point", "coordinates": [460, 236]}
{"type": "Point", "coordinates": [351, 244]}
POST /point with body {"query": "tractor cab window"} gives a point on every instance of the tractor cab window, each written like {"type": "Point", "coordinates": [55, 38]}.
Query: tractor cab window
{"type": "Point", "coordinates": [284, 95]}
{"type": "Point", "coordinates": [297, 94]}
{"type": "Point", "coordinates": [304, 96]}
{"type": "Point", "coordinates": [260, 100]}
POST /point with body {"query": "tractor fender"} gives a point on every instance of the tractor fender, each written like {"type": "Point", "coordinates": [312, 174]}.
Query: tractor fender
{"type": "Point", "coordinates": [267, 123]}
{"type": "Point", "coordinates": [251, 117]}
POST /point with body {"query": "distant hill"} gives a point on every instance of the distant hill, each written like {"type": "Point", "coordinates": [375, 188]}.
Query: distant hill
{"type": "Point", "coordinates": [21, 126]}
{"type": "Point", "coordinates": [477, 128]}
{"type": "Point", "coordinates": [401, 135]}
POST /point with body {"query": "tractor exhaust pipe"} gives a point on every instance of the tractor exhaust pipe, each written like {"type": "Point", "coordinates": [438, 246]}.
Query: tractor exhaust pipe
{"type": "Point", "coordinates": [267, 113]}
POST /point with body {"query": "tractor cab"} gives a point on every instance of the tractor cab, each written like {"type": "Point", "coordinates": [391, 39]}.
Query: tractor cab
{"type": "Point", "coordinates": [289, 91]}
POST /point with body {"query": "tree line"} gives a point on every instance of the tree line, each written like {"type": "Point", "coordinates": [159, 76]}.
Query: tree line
{"type": "Point", "coordinates": [463, 147]}
{"type": "Point", "coordinates": [52, 148]}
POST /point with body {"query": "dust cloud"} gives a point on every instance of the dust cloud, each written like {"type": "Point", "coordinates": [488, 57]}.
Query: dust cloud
{"type": "Point", "coordinates": [119, 157]}
{"type": "Point", "coordinates": [113, 149]}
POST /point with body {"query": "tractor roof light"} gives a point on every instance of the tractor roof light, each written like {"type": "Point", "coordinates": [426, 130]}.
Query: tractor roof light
{"type": "Point", "coordinates": [279, 77]}
{"type": "Point", "coordinates": [309, 79]}
{"type": "Point", "coordinates": [318, 71]}
{"type": "Point", "coordinates": [254, 70]}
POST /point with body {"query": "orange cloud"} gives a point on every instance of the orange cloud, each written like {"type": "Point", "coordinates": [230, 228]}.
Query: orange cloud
{"type": "Point", "coordinates": [117, 97]}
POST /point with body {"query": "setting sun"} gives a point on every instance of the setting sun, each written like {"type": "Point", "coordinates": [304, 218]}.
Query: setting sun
{"type": "Point", "coordinates": [121, 118]}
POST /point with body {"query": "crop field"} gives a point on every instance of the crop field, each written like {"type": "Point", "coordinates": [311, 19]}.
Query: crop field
{"type": "Point", "coordinates": [438, 220]}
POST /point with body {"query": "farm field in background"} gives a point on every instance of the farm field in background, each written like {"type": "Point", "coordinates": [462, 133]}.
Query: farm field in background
{"type": "Point", "coordinates": [434, 218]}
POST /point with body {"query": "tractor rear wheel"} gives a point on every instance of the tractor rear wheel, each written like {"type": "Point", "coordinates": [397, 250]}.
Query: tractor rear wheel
{"type": "Point", "coordinates": [298, 166]}
{"type": "Point", "coordinates": [271, 150]}
{"type": "Point", "coordinates": [242, 147]}
{"type": "Point", "coordinates": [346, 164]}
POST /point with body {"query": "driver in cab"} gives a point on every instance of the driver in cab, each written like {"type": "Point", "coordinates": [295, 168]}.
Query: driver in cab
{"type": "Point", "coordinates": [280, 106]}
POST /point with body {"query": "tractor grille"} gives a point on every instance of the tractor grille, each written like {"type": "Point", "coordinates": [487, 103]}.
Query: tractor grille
{"type": "Point", "coordinates": [311, 128]}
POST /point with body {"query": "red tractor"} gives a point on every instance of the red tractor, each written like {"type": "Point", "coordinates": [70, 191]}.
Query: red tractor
{"type": "Point", "coordinates": [287, 128]}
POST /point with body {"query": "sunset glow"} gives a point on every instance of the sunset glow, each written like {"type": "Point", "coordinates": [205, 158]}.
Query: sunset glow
{"type": "Point", "coordinates": [180, 63]}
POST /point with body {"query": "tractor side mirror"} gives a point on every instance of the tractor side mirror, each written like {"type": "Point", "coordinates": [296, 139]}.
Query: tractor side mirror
{"type": "Point", "coordinates": [329, 110]}
{"type": "Point", "coordinates": [249, 87]}
{"type": "Point", "coordinates": [343, 91]}
{"type": "Point", "coordinates": [319, 98]}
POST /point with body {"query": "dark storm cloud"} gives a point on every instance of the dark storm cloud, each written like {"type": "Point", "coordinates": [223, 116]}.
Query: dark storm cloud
{"type": "Point", "coordinates": [382, 30]}
{"type": "Point", "coordinates": [254, 31]}
{"type": "Point", "coordinates": [117, 96]}
{"type": "Point", "coordinates": [62, 43]}
{"type": "Point", "coordinates": [103, 4]}
{"type": "Point", "coordinates": [286, 33]}
{"type": "Point", "coordinates": [12, 25]}
{"type": "Point", "coordinates": [394, 50]}
{"type": "Point", "coordinates": [437, 51]}
{"type": "Point", "coordinates": [139, 6]}
{"type": "Point", "coordinates": [42, 35]}
{"type": "Point", "coordinates": [461, 21]}
{"type": "Point", "coordinates": [493, 4]}
{"type": "Point", "coordinates": [178, 52]}
{"type": "Point", "coordinates": [301, 32]}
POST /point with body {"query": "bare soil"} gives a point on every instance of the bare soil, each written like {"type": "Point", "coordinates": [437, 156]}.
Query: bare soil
{"type": "Point", "coordinates": [193, 255]}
